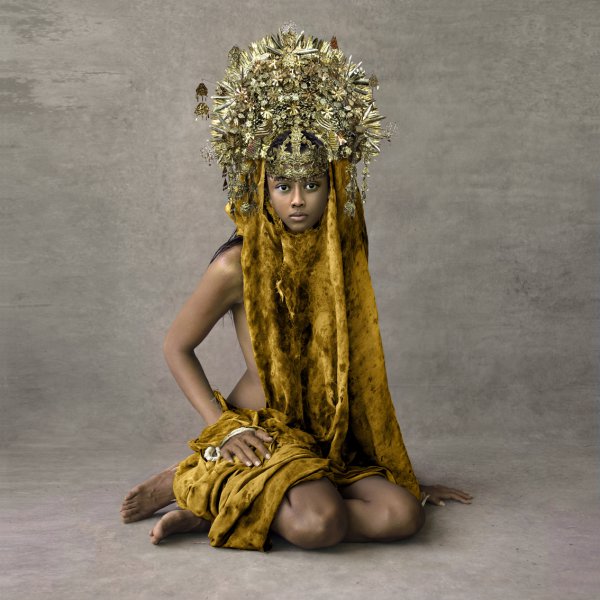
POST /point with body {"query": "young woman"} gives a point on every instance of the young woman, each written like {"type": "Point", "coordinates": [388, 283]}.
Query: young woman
{"type": "Point", "coordinates": [307, 444]}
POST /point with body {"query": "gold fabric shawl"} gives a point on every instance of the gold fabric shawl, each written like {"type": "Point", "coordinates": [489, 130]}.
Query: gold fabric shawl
{"type": "Point", "coordinates": [315, 334]}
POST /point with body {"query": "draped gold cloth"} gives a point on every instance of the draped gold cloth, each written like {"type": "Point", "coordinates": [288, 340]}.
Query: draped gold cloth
{"type": "Point", "coordinates": [315, 334]}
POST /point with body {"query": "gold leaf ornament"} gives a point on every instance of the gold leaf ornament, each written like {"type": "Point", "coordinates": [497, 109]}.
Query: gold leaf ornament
{"type": "Point", "coordinates": [288, 82]}
{"type": "Point", "coordinates": [201, 91]}
{"type": "Point", "coordinates": [234, 56]}
{"type": "Point", "coordinates": [202, 110]}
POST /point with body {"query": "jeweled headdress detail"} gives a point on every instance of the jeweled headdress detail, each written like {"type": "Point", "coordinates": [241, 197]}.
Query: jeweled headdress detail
{"type": "Point", "coordinates": [297, 156]}
{"type": "Point", "coordinates": [302, 87]}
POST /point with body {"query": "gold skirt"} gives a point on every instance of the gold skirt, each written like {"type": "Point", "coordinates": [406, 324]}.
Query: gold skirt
{"type": "Point", "coordinates": [240, 501]}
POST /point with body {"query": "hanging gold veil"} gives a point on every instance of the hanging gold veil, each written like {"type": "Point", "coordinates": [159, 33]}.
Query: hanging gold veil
{"type": "Point", "coordinates": [315, 335]}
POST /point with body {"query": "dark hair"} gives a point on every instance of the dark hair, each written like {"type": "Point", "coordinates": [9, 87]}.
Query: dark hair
{"type": "Point", "coordinates": [234, 240]}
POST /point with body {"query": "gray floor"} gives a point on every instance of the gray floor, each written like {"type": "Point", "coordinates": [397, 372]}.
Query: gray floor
{"type": "Point", "coordinates": [483, 222]}
{"type": "Point", "coordinates": [531, 533]}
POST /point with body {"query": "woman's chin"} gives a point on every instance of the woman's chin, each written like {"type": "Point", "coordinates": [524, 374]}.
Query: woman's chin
{"type": "Point", "coordinates": [297, 227]}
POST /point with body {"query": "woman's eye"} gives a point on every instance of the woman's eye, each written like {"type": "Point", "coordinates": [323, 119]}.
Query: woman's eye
{"type": "Point", "coordinates": [312, 186]}
{"type": "Point", "coordinates": [282, 187]}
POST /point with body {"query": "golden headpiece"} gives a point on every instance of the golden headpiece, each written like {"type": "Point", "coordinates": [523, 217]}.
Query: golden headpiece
{"type": "Point", "coordinates": [297, 102]}
{"type": "Point", "coordinates": [297, 155]}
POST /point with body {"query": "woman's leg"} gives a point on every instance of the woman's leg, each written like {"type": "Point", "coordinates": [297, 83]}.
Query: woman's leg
{"type": "Point", "coordinates": [177, 521]}
{"type": "Point", "coordinates": [379, 510]}
{"type": "Point", "coordinates": [315, 514]}
{"type": "Point", "coordinates": [312, 515]}
{"type": "Point", "coordinates": [148, 497]}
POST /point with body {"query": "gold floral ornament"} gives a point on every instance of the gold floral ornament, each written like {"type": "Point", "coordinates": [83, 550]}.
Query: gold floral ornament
{"type": "Point", "coordinates": [201, 91]}
{"type": "Point", "coordinates": [297, 157]}
{"type": "Point", "coordinates": [234, 56]}
{"type": "Point", "coordinates": [207, 152]}
{"type": "Point", "coordinates": [202, 108]}
{"type": "Point", "coordinates": [301, 87]}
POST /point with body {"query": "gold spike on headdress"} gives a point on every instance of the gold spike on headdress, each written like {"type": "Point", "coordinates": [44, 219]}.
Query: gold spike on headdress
{"type": "Point", "coordinates": [304, 89]}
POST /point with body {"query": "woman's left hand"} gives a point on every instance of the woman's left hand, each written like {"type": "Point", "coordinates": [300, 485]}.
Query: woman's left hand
{"type": "Point", "coordinates": [438, 493]}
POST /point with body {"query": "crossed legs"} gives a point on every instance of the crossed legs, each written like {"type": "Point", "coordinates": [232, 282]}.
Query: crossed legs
{"type": "Point", "coordinates": [313, 514]}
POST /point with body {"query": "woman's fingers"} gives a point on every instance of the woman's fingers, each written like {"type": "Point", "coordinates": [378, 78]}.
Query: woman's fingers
{"type": "Point", "coordinates": [454, 494]}
{"type": "Point", "coordinates": [242, 446]}
{"type": "Point", "coordinates": [244, 452]}
{"type": "Point", "coordinates": [226, 455]}
{"type": "Point", "coordinates": [263, 435]}
{"type": "Point", "coordinates": [460, 496]}
{"type": "Point", "coordinates": [436, 500]}
{"type": "Point", "coordinates": [232, 449]}
{"type": "Point", "coordinates": [439, 493]}
{"type": "Point", "coordinates": [255, 442]}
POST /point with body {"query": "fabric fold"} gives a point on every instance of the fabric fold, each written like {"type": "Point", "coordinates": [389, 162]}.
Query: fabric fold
{"type": "Point", "coordinates": [314, 328]}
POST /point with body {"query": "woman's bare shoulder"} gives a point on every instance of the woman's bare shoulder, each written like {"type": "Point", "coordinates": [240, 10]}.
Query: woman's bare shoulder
{"type": "Point", "coordinates": [219, 290]}
{"type": "Point", "coordinates": [226, 271]}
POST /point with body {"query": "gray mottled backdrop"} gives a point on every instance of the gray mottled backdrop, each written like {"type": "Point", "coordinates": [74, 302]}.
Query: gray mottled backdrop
{"type": "Point", "coordinates": [483, 212]}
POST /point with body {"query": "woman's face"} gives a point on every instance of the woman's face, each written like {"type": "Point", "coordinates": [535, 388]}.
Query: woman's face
{"type": "Point", "coordinates": [300, 204]}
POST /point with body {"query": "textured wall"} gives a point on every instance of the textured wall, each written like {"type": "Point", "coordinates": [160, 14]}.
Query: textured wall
{"type": "Point", "coordinates": [483, 213]}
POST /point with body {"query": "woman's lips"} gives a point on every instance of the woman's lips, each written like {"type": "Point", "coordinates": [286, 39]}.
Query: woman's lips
{"type": "Point", "coordinates": [298, 216]}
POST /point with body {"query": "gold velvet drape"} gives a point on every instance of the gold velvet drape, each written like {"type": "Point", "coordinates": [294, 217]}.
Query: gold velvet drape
{"type": "Point", "coordinates": [315, 334]}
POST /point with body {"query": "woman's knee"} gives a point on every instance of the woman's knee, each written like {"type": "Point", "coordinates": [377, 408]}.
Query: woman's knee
{"type": "Point", "coordinates": [318, 519]}
{"type": "Point", "coordinates": [320, 527]}
{"type": "Point", "coordinates": [403, 517]}
{"type": "Point", "coordinates": [415, 518]}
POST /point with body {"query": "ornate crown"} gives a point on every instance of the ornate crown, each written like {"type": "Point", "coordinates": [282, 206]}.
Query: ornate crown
{"type": "Point", "coordinates": [300, 86]}
{"type": "Point", "coordinates": [296, 156]}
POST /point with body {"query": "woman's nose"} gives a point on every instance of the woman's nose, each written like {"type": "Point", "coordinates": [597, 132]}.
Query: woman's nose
{"type": "Point", "coordinates": [297, 197]}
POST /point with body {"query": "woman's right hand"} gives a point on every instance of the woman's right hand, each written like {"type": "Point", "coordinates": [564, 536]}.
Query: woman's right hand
{"type": "Point", "coordinates": [248, 446]}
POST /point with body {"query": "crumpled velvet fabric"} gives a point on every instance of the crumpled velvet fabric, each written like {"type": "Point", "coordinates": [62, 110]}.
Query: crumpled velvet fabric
{"type": "Point", "coordinates": [315, 335]}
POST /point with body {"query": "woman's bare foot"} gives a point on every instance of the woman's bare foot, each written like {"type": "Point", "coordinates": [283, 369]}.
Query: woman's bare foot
{"type": "Point", "coordinates": [178, 521]}
{"type": "Point", "coordinates": [148, 497]}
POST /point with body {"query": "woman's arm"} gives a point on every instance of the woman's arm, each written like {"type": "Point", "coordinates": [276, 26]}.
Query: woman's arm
{"type": "Point", "coordinates": [219, 289]}
{"type": "Point", "coordinates": [436, 494]}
